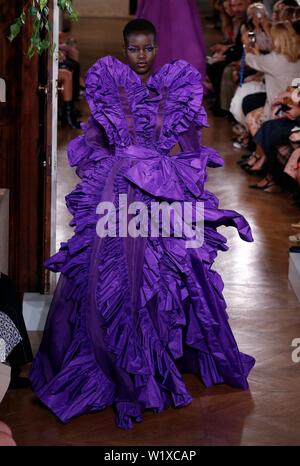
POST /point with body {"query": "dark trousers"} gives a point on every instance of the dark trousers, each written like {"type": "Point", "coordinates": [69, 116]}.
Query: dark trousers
{"type": "Point", "coordinates": [73, 66]}
{"type": "Point", "coordinates": [253, 101]}
{"type": "Point", "coordinates": [271, 134]}
{"type": "Point", "coordinates": [215, 73]}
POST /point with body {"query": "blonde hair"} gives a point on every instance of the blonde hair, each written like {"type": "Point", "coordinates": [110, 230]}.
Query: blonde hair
{"type": "Point", "coordinates": [285, 40]}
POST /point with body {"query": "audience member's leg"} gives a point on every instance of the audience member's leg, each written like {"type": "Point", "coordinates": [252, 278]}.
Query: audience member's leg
{"type": "Point", "coordinates": [215, 73]}
{"type": "Point", "coordinates": [68, 117]}
{"type": "Point", "coordinates": [228, 88]}
{"type": "Point", "coordinates": [274, 133]}
{"type": "Point", "coordinates": [253, 101]}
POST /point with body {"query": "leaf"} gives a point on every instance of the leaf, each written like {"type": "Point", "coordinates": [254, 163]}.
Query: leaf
{"type": "Point", "coordinates": [23, 17]}
{"type": "Point", "coordinates": [30, 51]}
{"type": "Point", "coordinates": [62, 4]}
{"type": "Point", "coordinates": [44, 45]}
{"type": "Point", "coordinates": [32, 10]}
{"type": "Point", "coordinates": [14, 29]}
{"type": "Point", "coordinates": [43, 3]}
{"type": "Point", "coordinates": [38, 15]}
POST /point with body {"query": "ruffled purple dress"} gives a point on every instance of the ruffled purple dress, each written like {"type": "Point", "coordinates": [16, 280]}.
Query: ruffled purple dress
{"type": "Point", "coordinates": [130, 315]}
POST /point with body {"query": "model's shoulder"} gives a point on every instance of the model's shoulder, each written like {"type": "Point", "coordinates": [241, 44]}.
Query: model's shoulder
{"type": "Point", "coordinates": [178, 69]}
{"type": "Point", "coordinates": [107, 63]}
{"type": "Point", "coordinates": [180, 65]}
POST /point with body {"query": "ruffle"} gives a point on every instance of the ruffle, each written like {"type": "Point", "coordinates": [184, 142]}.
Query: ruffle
{"type": "Point", "coordinates": [137, 346]}
{"type": "Point", "coordinates": [169, 177]}
{"type": "Point", "coordinates": [92, 166]}
{"type": "Point", "coordinates": [80, 385]}
{"type": "Point", "coordinates": [184, 100]}
{"type": "Point", "coordinates": [103, 82]}
{"type": "Point", "coordinates": [130, 335]}
{"type": "Point", "coordinates": [152, 347]}
{"type": "Point", "coordinates": [183, 105]}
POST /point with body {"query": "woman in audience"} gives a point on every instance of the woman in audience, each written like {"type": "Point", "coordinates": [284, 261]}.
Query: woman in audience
{"type": "Point", "coordinates": [227, 21]}
{"type": "Point", "coordinates": [258, 26]}
{"type": "Point", "coordinates": [280, 68]}
{"type": "Point", "coordinates": [275, 133]}
{"type": "Point", "coordinates": [280, 6]}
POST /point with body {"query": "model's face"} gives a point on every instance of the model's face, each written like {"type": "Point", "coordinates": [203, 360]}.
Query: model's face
{"type": "Point", "coordinates": [140, 51]}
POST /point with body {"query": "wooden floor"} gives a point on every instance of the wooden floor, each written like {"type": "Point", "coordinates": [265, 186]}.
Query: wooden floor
{"type": "Point", "coordinates": [264, 315]}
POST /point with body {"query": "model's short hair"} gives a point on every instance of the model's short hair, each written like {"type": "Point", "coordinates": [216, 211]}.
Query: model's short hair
{"type": "Point", "coordinates": [138, 25]}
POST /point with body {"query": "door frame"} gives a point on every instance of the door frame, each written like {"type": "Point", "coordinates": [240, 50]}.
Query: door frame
{"type": "Point", "coordinates": [26, 170]}
{"type": "Point", "coordinates": [50, 162]}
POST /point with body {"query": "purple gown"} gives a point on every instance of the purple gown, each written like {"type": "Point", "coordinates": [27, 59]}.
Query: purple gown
{"type": "Point", "coordinates": [129, 315]}
{"type": "Point", "coordinates": [179, 31]}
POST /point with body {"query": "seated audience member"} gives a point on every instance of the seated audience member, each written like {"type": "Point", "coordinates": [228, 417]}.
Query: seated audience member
{"type": "Point", "coordinates": [9, 339]}
{"type": "Point", "coordinates": [275, 133]}
{"type": "Point", "coordinates": [225, 54]}
{"type": "Point", "coordinates": [20, 354]}
{"type": "Point", "coordinates": [280, 67]}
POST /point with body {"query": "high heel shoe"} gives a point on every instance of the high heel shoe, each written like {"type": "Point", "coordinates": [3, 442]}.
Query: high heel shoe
{"type": "Point", "coordinates": [243, 159]}
{"type": "Point", "coordinates": [257, 168]}
{"type": "Point", "coordinates": [246, 166]}
{"type": "Point", "coordinates": [273, 188]}
{"type": "Point", "coordinates": [269, 186]}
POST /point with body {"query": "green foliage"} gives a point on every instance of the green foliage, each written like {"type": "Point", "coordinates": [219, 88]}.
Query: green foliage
{"type": "Point", "coordinates": [37, 12]}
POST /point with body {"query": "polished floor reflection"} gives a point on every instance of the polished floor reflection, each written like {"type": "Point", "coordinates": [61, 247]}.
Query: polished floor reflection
{"type": "Point", "coordinates": [264, 315]}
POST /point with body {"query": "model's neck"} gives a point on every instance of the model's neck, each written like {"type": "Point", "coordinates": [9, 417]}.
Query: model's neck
{"type": "Point", "coordinates": [145, 77]}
